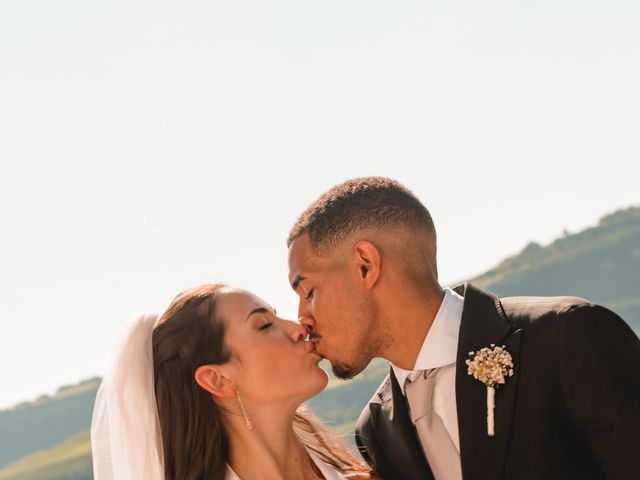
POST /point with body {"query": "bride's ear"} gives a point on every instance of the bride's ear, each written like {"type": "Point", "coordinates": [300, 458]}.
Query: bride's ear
{"type": "Point", "coordinates": [212, 379]}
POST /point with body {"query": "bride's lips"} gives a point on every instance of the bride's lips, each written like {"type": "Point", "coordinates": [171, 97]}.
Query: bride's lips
{"type": "Point", "coordinates": [310, 347]}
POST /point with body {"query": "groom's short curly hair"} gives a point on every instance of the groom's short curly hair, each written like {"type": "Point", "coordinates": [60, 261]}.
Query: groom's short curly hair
{"type": "Point", "coordinates": [358, 204]}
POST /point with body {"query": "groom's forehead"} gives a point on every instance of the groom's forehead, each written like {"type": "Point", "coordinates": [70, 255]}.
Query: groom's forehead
{"type": "Point", "coordinates": [300, 251]}
{"type": "Point", "coordinates": [302, 259]}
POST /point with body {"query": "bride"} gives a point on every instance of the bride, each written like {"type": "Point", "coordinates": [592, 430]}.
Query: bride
{"type": "Point", "coordinates": [213, 390]}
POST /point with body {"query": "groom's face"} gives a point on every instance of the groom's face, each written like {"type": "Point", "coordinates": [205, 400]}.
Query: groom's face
{"type": "Point", "coordinates": [332, 306]}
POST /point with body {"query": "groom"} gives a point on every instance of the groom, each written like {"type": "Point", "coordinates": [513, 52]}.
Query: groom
{"type": "Point", "coordinates": [362, 259]}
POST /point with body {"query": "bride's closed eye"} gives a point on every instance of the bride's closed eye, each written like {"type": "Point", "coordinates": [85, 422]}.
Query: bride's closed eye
{"type": "Point", "coordinates": [265, 325]}
{"type": "Point", "coordinates": [309, 294]}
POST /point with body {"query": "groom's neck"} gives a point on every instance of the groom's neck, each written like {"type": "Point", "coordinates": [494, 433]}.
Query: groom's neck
{"type": "Point", "coordinates": [406, 323]}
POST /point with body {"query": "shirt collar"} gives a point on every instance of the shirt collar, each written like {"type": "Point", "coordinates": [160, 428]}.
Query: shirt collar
{"type": "Point", "coordinates": [440, 346]}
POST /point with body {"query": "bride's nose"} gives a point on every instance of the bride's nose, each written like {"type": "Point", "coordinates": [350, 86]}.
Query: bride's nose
{"type": "Point", "coordinates": [295, 331]}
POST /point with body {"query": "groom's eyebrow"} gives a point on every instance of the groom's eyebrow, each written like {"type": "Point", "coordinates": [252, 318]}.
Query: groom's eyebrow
{"type": "Point", "coordinates": [296, 281]}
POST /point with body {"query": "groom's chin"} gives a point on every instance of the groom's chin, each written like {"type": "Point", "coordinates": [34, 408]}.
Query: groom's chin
{"type": "Point", "coordinates": [344, 371]}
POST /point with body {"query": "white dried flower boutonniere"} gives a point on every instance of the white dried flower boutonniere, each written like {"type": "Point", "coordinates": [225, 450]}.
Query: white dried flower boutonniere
{"type": "Point", "coordinates": [491, 366]}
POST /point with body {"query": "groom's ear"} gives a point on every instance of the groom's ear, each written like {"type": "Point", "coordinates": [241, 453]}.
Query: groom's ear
{"type": "Point", "coordinates": [367, 259]}
{"type": "Point", "coordinates": [212, 379]}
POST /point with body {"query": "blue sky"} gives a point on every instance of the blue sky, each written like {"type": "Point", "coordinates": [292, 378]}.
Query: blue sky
{"type": "Point", "coordinates": [146, 147]}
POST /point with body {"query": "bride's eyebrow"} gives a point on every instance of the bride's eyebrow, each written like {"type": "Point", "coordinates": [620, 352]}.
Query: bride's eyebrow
{"type": "Point", "coordinates": [261, 310]}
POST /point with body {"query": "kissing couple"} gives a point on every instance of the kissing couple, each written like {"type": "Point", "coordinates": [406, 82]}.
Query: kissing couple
{"type": "Point", "coordinates": [479, 387]}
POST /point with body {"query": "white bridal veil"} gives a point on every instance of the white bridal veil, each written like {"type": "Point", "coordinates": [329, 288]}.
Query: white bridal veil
{"type": "Point", "coordinates": [125, 429]}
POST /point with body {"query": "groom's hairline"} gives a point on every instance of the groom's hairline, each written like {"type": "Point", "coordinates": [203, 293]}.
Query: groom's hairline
{"type": "Point", "coordinates": [323, 247]}
{"type": "Point", "coordinates": [385, 192]}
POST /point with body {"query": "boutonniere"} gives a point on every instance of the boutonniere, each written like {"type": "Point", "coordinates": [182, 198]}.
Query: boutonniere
{"type": "Point", "coordinates": [491, 366]}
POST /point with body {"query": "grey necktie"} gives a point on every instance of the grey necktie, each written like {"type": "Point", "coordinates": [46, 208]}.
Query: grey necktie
{"type": "Point", "coordinates": [441, 453]}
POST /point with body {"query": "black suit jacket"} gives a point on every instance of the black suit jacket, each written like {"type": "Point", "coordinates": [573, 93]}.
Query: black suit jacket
{"type": "Point", "coordinates": [570, 411]}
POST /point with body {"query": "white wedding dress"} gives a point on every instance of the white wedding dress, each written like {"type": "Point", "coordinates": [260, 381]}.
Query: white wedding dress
{"type": "Point", "coordinates": [328, 472]}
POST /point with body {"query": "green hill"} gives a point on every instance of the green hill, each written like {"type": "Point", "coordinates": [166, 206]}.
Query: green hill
{"type": "Point", "coordinates": [41, 424]}
{"type": "Point", "coordinates": [48, 439]}
{"type": "Point", "coordinates": [69, 460]}
{"type": "Point", "coordinates": [601, 263]}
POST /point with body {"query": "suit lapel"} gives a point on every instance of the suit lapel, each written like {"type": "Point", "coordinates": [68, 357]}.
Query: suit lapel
{"type": "Point", "coordinates": [483, 323]}
{"type": "Point", "coordinates": [402, 446]}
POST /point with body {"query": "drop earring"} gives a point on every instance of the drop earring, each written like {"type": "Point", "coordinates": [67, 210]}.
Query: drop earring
{"type": "Point", "coordinates": [247, 420]}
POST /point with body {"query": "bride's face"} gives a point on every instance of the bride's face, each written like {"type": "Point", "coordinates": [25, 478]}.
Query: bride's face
{"type": "Point", "coordinates": [272, 361]}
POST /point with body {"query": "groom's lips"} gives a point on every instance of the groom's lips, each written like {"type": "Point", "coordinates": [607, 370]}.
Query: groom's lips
{"type": "Point", "coordinates": [316, 342]}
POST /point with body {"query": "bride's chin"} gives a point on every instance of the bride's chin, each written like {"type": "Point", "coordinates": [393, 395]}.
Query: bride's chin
{"type": "Point", "coordinates": [325, 376]}
{"type": "Point", "coordinates": [320, 381]}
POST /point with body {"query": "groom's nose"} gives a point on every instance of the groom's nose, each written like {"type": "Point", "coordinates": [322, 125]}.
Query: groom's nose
{"type": "Point", "coordinates": [308, 322]}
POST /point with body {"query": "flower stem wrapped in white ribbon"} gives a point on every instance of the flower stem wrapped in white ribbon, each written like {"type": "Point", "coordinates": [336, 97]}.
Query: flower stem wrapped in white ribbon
{"type": "Point", "coordinates": [491, 366]}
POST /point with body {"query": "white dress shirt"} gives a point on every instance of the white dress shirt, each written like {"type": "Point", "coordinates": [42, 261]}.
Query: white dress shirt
{"type": "Point", "coordinates": [439, 349]}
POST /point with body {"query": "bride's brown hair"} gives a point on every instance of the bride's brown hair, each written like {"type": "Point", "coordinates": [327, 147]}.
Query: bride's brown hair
{"type": "Point", "coordinates": [195, 445]}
